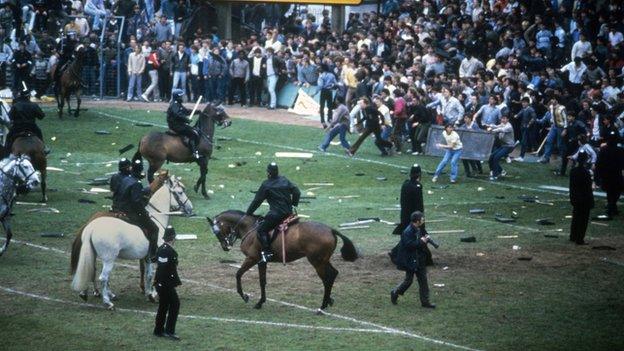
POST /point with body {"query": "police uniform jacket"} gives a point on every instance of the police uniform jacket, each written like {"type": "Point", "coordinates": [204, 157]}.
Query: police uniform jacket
{"type": "Point", "coordinates": [280, 193]}
{"type": "Point", "coordinates": [609, 166]}
{"type": "Point", "coordinates": [115, 187]}
{"type": "Point", "coordinates": [373, 117]}
{"type": "Point", "coordinates": [167, 269]}
{"type": "Point", "coordinates": [410, 252]}
{"type": "Point", "coordinates": [581, 194]}
{"type": "Point", "coordinates": [177, 116]}
{"type": "Point", "coordinates": [133, 197]}
{"type": "Point", "coordinates": [411, 201]}
{"type": "Point", "coordinates": [25, 113]}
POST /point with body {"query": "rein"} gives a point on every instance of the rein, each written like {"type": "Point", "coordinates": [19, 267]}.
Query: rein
{"type": "Point", "coordinates": [233, 237]}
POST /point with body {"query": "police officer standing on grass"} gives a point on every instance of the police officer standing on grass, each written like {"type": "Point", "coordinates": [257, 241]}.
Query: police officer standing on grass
{"type": "Point", "coordinates": [281, 195]}
{"type": "Point", "coordinates": [166, 281]}
{"type": "Point", "coordinates": [581, 198]}
{"type": "Point", "coordinates": [411, 201]}
{"type": "Point", "coordinates": [609, 168]}
{"type": "Point", "coordinates": [410, 257]}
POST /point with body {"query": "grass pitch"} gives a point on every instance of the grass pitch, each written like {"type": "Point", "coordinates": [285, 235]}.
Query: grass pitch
{"type": "Point", "coordinates": [565, 298]}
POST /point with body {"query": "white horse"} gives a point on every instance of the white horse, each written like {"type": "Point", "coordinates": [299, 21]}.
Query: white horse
{"type": "Point", "coordinates": [17, 175]}
{"type": "Point", "coordinates": [111, 238]}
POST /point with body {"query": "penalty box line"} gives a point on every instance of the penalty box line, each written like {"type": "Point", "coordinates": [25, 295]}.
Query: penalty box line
{"type": "Point", "coordinates": [514, 186]}
{"type": "Point", "coordinates": [379, 328]}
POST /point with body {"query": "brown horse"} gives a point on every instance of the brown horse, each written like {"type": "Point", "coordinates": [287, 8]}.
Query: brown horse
{"type": "Point", "coordinates": [313, 240]}
{"type": "Point", "coordinates": [158, 147]}
{"type": "Point", "coordinates": [70, 82]}
{"type": "Point", "coordinates": [33, 147]}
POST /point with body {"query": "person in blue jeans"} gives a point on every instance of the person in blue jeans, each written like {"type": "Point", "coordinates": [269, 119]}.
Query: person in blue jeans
{"type": "Point", "coordinates": [505, 141]}
{"type": "Point", "coordinates": [453, 146]}
{"type": "Point", "coordinates": [338, 126]}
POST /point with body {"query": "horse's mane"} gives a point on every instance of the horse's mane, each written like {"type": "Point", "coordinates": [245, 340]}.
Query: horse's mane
{"type": "Point", "coordinates": [239, 213]}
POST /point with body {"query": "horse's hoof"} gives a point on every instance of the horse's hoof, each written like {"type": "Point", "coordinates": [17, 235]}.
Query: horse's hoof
{"type": "Point", "coordinates": [83, 296]}
{"type": "Point", "coordinates": [258, 305]}
{"type": "Point", "coordinates": [246, 298]}
{"type": "Point", "coordinates": [96, 293]}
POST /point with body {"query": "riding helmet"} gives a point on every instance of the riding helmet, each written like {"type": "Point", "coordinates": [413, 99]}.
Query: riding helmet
{"type": "Point", "coordinates": [177, 95]}
{"type": "Point", "coordinates": [125, 166]}
{"type": "Point", "coordinates": [272, 170]}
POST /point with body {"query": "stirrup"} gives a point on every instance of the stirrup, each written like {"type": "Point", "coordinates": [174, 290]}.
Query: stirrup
{"type": "Point", "coordinates": [266, 256]}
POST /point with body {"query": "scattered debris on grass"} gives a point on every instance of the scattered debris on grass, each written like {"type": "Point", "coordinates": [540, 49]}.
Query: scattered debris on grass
{"type": "Point", "coordinates": [294, 154]}
{"type": "Point", "coordinates": [525, 258]}
{"type": "Point", "coordinates": [44, 210]}
{"type": "Point", "coordinates": [381, 178]}
{"type": "Point", "coordinates": [468, 239]}
{"type": "Point", "coordinates": [102, 132]}
{"type": "Point", "coordinates": [55, 169]}
{"type": "Point", "coordinates": [476, 211]}
{"type": "Point", "coordinates": [86, 201]}
{"type": "Point", "coordinates": [186, 236]}
{"type": "Point", "coordinates": [318, 184]}
{"type": "Point", "coordinates": [450, 231]}
{"type": "Point", "coordinates": [126, 148]}
{"type": "Point", "coordinates": [507, 236]}
{"type": "Point", "coordinates": [604, 247]}
{"type": "Point", "coordinates": [355, 227]}
{"type": "Point", "coordinates": [516, 247]}
{"type": "Point", "coordinates": [544, 221]}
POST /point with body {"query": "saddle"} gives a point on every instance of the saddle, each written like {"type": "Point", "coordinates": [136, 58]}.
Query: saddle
{"type": "Point", "coordinates": [185, 139]}
{"type": "Point", "coordinates": [284, 226]}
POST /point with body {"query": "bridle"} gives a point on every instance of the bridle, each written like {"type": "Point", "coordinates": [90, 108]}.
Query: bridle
{"type": "Point", "coordinates": [18, 167]}
{"type": "Point", "coordinates": [233, 235]}
{"type": "Point", "coordinates": [173, 194]}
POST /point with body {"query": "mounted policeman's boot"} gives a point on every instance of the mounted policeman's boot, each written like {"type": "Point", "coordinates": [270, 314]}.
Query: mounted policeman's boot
{"type": "Point", "coordinates": [265, 255]}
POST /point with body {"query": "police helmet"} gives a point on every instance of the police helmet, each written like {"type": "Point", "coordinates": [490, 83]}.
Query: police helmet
{"type": "Point", "coordinates": [169, 234]}
{"type": "Point", "coordinates": [125, 166]}
{"type": "Point", "coordinates": [415, 171]}
{"type": "Point", "coordinates": [272, 170]}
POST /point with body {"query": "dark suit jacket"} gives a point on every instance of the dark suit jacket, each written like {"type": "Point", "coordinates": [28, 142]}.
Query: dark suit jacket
{"type": "Point", "coordinates": [278, 66]}
{"type": "Point", "coordinates": [167, 270]}
{"type": "Point", "coordinates": [410, 252]}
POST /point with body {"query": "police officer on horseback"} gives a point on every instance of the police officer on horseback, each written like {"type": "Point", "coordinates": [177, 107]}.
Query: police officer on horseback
{"type": "Point", "coordinates": [23, 116]}
{"type": "Point", "coordinates": [281, 195]}
{"type": "Point", "coordinates": [178, 121]}
{"type": "Point", "coordinates": [65, 48]}
{"type": "Point", "coordinates": [125, 169]}
{"type": "Point", "coordinates": [130, 198]}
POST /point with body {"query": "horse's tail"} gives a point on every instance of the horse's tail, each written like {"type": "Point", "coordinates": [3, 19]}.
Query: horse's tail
{"type": "Point", "coordinates": [83, 260]}
{"type": "Point", "coordinates": [348, 251]}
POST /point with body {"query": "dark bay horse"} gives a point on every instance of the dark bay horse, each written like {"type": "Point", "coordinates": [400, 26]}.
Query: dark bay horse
{"type": "Point", "coordinates": [313, 240]}
{"type": "Point", "coordinates": [70, 83]}
{"type": "Point", "coordinates": [158, 147]}
{"type": "Point", "coordinates": [33, 147]}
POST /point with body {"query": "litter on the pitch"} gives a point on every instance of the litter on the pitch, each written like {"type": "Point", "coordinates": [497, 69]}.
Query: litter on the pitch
{"type": "Point", "coordinates": [318, 184]}
{"type": "Point", "coordinates": [476, 211]}
{"type": "Point", "coordinates": [126, 148]}
{"type": "Point", "coordinates": [544, 221]}
{"type": "Point", "coordinates": [344, 197]}
{"type": "Point", "coordinates": [507, 236]}
{"type": "Point", "coordinates": [356, 223]}
{"type": "Point", "coordinates": [600, 224]}
{"type": "Point", "coordinates": [44, 210]}
{"type": "Point", "coordinates": [355, 227]}
{"type": "Point", "coordinates": [294, 154]}
{"type": "Point", "coordinates": [525, 258]}
{"type": "Point", "coordinates": [186, 236]}
{"type": "Point", "coordinates": [102, 132]}
{"type": "Point", "coordinates": [504, 220]}
{"type": "Point", "coordinates": [446, 231]}
{"type": "Point", "coordinates": [55, 169]}
{"type": "Point", "coordinates": [30, 203]}
{"type": "Point", "coordinates": [468, 239]}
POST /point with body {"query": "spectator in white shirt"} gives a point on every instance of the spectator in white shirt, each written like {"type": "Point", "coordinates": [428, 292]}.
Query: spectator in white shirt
{"type": "Point", "coordinates": [581, 48]}
{"type": "Point", "coordinates": [615, 37]}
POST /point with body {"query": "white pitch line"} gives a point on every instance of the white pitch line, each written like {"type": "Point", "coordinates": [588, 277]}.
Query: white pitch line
{"type": "Point", "coordinates": [382, 328]}
{"type": "Point", "coordinates": [210, 318]}
{"type": "Point", "coordinates": [520, 187]}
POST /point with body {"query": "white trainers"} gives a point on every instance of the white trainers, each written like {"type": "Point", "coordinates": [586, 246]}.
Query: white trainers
{"type": "Point", "coordinates": [415, 153]}
{"type": "Point", "coordinates": [519, 159]}
{"type": "Point", "coordinates": [503, 173]}
{"type": "Point", "coordinates": [508, 159]}
{"type": "Point", "coordinates": [144, 98]}
{"type": "Point", "coordinates": [434, 179]}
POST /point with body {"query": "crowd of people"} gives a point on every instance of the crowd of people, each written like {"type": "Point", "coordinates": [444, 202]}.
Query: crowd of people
{"type": "Point", "coordinates": [544, 74]}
